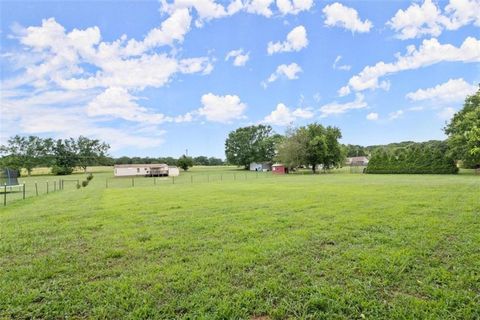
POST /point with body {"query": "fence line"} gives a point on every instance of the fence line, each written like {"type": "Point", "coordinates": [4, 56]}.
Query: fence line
{"type": "Point", "coordinates": [21, 192]}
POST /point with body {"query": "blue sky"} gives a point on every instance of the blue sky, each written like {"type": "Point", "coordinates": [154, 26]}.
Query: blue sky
{"type": "Point", "coordinates": [156, 78]}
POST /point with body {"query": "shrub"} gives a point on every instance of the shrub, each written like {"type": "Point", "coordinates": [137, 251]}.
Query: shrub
{"type": "Point", "coordinates": [84, 183]}
{"type": "Point", "coordinates": [90, 176]}
{"type": "Point", "coordinates": [61, 171]}
{"type": "Point", "coordinates": [418, 159]}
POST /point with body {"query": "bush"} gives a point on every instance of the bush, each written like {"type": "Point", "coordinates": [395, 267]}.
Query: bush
{"type": "Point", "coordinates": [84, 183]}
{"type": "Point", "coordinates": [61, 171]}
{"type": "Point", "coordinates": [90, 176]}
{"type": "Point", "coordinates": [415, 159]}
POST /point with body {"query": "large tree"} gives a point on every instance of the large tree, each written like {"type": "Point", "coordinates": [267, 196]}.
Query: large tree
{"type": "Point", "coordinates": [185, 162]}
{"type": "Point", "coordinates": [251, 144]}
{"type": "Point", "coordinates": [312, 145]}
{"type": "Point", "coordinates": [65, 156]}
{"type": "Point", "coordinates": [24, 152]}
{"type": "Point", "coordinates": [464, 132]}
{"type": "Point", "coordinates": [90, 152]}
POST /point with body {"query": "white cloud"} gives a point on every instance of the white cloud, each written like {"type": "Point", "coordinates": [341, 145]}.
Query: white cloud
{"type": "Point", "coordinates": [294, 6]}
{"type": "Point", "coordinates": [338, 15]}
{"type": "Point", "coordinates": [289, 72]}
{"type": "Point", "coordinates": [373, 116]}
{"type": "Point", "coordinates": [239, 57]}
{"type": "Point", "coordinates": [344, 91]}
{"type": "Point", "coordinates": [283, 116]}
{"type": "Point", "coordinates": [339, 108]}
{"type": "Point", "coordinates": [428, 20]}
{"type": "Point", "coordinates": [454, 90]}
{"type": "Point", "coordinates": [118, 103]}
{"type": "Point", "coordinates": [261, 7]}
{"type": "Point", "coordinates": [395, 115]}
{"type": "Point", "coordinates": [296, 41]}
{"type": "Point", "coordinates": [446, 113]}
{"type": "Point", "coordinates": [429, 52]}
{"type": "Point", "coordinates": [222, 109]}
{"type": "Point", "coordinates": [336, 66]}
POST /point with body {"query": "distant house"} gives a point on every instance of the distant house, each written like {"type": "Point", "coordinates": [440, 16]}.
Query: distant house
{"type": "Point", "coordinates": [279, 169]}
{"type": "Point", "coordinates": [357, 161]}
{"type": "Point", "coordinates": [260, 166]}
{"type": "Point", "coordinates": [147, 170]}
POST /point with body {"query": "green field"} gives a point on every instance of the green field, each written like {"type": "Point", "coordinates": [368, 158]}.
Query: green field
{"type": "Point", "coordinates": [328, 246]}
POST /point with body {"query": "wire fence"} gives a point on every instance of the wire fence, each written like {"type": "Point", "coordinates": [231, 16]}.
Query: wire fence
{"type": "Point", "coordinates": [124, 182]}
{"type": "Point", "coordinates": [34, 189]}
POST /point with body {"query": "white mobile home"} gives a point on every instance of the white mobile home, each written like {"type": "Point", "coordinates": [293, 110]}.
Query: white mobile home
{"type": "Point", "coordinates": [146, 170]}
{"type": "Point", "coordinates": [173, 172]}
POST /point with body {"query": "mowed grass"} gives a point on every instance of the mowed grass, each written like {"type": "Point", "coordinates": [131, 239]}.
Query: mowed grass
{"type": "Point", "coordinates": [301, 247]}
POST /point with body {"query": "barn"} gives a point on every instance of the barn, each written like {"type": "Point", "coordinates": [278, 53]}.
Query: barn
{"type": "Point", "coordinates": [260, 166]}
{"type": "Point", "coordinates": [146, 170]}
{"type": "Point", "coordinates": [279, 169]}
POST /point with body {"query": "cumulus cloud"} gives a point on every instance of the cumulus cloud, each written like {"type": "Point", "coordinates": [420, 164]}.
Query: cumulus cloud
{"type": "Point", "coordinates": [373, 116]}
{"type": "Point", "coordinates": [427, 19]}
{"type": "Point", "coordinates": [289, 72]}
{"type": "Point", "coordinates": [296, 41]}
{"type": "Point", "coordinates": [118, 103]}
{"type": "Point", "coordinates": [454, 90]}
{"type": "Point", "coordinates": [339, 108]}
{"type": "Point", "coordinates": [222, 109]}
{"type": "Point", "coordinates": [338, 15]}
{"type": "Point", "coordinates": [239, 57]}
{"type": "Point", "coordinates": [283, 116]}
{"type": "Point", "coordinates": [428, 53]}
{"type": "Point", "coordinates": [261, 7]}
{"type": "Point", "coordinates": [294, 6]}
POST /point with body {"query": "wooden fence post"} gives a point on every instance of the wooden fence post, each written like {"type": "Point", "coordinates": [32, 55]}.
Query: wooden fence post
{"type": "Point", "coordinates": [133, 182]}
{"type": "Point", "coordinates": [173, 180]}
{"type": "Point", "coordinates": [106, 183]}
{"type": "Point", "coordinates": [36, 189]}
{"type": "Point", "coordinates": [5, 195]}
{"type": "Point", "coordinates": [47, 187]}
{"type": "Point", "coordinates": [24, 191]}
{"type": "Point", "coordinates": [191, 179]}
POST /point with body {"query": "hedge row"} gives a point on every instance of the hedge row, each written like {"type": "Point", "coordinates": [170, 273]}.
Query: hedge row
{"type": "Point", "coordinates": [417, 159]}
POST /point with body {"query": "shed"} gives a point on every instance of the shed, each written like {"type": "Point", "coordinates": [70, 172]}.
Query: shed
{"type": "Point", "coordinates": [279, 169]}
{"type": "Point", "coordinates": [260, 166]}
{"type": "Point", "coordinates": [173, 171]}
{"type": "Point", "coordinates": [357, 161]}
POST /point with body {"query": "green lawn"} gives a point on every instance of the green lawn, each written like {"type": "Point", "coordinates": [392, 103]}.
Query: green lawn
{"type": "Point", "coordinates": [330, 246]}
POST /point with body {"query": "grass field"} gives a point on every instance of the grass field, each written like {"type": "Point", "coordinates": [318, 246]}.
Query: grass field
{"type": "Point", "coordinates": [332, 246]}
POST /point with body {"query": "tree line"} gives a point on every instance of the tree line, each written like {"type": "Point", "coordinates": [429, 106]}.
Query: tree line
{"type": "Point", "coordinates": [64, 155]}
{"type": "Point", "coordinates": [61, 155]}
{"type": "Point", "coordinates": [311, 146]}
{"type": "Point", "coordinates": [426, 158]}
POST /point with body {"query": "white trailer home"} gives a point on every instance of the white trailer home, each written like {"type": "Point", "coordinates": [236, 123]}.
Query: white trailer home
{"type": "Point", "coordinates": [146, 170]}
{"type": "Point", "coordinates": [173, 171]}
